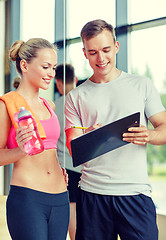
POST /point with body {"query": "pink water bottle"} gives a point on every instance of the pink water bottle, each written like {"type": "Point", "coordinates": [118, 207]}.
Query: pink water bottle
{"type": "Point", "coordinates": [35, 144]}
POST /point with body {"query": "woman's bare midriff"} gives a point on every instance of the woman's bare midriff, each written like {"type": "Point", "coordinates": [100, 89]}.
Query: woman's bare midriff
{"type": "Point", "coordinates": [40, 172]}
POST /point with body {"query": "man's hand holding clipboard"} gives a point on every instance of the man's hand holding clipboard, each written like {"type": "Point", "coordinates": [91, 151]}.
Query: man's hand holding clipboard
{"type": "Point", "coordinates": [103, 139]}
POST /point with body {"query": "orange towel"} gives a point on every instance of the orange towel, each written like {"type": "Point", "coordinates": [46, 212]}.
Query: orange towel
{"type": "Point", "coordinates": [14, 101]}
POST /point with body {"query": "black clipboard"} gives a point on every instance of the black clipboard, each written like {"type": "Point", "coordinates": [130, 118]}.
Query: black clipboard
{"type": "Point", "coordinates": [102, 140]}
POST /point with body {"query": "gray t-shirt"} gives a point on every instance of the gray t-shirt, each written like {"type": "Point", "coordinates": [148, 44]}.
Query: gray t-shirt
{"type": "Point", "coordinates": [62, 151]}
{"type": "Point", "coordinates": [122, 171]}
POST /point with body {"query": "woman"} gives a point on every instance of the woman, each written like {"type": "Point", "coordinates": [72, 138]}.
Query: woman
{"type": "Point", "coordinates": [37, 205]}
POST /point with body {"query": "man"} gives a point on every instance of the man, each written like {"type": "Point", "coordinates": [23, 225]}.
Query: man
{"type": "Point", "coordinates": [115, 194]}
{"type": "Point", "coordinates": [73, 173]}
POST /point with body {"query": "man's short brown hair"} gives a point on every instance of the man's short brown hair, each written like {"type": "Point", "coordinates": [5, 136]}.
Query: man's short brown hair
{"type": "Point", "coordinates": [93, 28]}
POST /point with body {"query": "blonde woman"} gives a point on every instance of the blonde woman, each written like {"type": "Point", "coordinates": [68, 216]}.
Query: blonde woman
{"type": "Point", "coordinates": [37, 205]}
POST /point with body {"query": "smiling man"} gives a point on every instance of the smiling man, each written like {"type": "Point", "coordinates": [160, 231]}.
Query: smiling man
{"type": "Point", "coordinates": [101, 51]}
{"type": "Point", "coordinates": [115, 194]}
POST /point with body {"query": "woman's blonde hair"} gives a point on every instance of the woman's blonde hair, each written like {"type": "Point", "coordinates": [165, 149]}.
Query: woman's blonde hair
{"type": "Point", "coordinates": [28, 50]}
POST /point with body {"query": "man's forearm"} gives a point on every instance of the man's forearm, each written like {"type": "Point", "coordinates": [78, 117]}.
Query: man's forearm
{"type": "Point", "coordinates": [157, 136]}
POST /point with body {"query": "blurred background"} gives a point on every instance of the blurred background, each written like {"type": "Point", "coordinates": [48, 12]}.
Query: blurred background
{"type": "Point", "coordinates": [140, 29]}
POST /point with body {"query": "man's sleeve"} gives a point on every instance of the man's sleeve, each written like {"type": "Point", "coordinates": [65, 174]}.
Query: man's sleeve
{"type": "Point", "coordinates": [153, 102]}
{"type": "Point", "coordinates": [71, 112]}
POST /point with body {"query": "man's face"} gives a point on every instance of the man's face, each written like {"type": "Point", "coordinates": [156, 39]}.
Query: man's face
{"type": "Point", "coordinates": [101, 52]}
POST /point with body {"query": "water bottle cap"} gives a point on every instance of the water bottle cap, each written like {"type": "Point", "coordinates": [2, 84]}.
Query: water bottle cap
{"type": "Point", "coordinates": [24, 113]}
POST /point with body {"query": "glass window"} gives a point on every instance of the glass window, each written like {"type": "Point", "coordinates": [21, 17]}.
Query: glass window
{"type": "Point", "coordinates": [78, 13]}
{"type": "Point", "coordinates": [148, 50]}
{"type": "Point", "coordinates": [144, 10]}
{"type": "Point", "coordinates": [77, 59]}
{"type": "Point", "coordinates": [37, 19]}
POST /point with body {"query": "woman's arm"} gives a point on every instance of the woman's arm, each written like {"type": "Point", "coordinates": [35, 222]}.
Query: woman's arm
{"type": "Point", "coordinates": [7, 156]}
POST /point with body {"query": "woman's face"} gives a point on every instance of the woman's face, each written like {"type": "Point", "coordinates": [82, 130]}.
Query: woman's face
{"type": "Point", "coordinates": [41, 70]}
